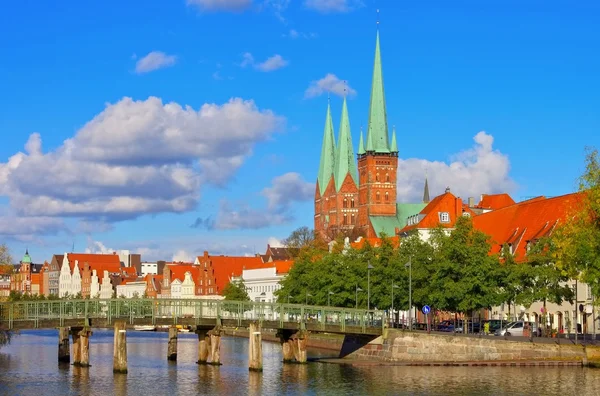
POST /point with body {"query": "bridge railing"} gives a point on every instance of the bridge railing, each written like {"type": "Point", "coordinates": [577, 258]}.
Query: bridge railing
{"type": "Point", "coordinates": [175, 310]}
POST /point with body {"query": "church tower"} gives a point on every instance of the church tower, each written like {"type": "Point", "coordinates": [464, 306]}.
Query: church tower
{"type": "Point", "coordinates": [325, 193]}
{"type": "Point", "coordinates": [345, 175]}
{"type": "Point", "coordinates": [377, 158]}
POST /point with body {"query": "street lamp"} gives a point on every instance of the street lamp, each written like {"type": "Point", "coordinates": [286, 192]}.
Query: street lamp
{"type": "Point", "coordinates": [288, 297]}
{"type": "Point", "coordinates": [393, 287]}
{"type": "Point", "coordinates": [307, 295]}
{"type": "Point", "coordinates": [357, 290]}
{"type": "Point", "coordinates": [409, 266]}
{"type": "Point", "coordinates": [369, 268]}
{"type": "Point", "coordinates": [329, 294]}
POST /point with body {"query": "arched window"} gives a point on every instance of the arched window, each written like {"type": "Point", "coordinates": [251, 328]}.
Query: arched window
{"type": "Point", "coordinates": [377, 196]}
{"type": "Point", "coordinates": [376, 177]}
{"type": "Point", "coordinates": [353, 218]}
{"type": "Point", "coordinates": [345, 219]}
{"type": "Point", "coordinates": [352, 203]}
{"type": "Point", "coordinates": [345, 203]}
{"type": "Point", "coordinates": [387, 196]}
{"type": "Point", "coordinates": [387, 177]}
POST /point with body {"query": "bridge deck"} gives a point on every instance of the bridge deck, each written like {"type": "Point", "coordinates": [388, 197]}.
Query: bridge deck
{"type": "Point", "coordinates": [192, 312]}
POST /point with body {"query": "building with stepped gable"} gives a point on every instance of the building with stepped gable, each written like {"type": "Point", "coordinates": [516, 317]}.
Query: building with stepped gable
{"type": "Point", "coordinates": [357, 195]}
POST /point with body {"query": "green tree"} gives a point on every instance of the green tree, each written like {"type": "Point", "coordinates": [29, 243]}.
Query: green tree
{"type": "Point", "coordinates": [545, 281]}
{"type": "Point", "coordinates": [5, 257]}
{"type": "Point", "coordinates": [235, 291]}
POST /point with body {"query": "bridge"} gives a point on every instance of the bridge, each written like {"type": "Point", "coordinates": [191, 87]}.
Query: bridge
{"type": "Point", "coordinates": [189, 312]}
{"type": "Point", "coordinates": [204, 316]}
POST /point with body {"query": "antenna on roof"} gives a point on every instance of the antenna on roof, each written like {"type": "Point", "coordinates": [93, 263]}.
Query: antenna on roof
{"type": "Point", "coordinates": [73, 247]}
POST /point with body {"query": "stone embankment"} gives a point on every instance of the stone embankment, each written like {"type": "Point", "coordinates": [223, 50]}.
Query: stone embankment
{"type": "Point", "coordinates": [412, 348]}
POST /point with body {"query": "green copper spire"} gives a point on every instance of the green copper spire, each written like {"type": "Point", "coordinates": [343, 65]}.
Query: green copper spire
{"type": "Point", "coordinates": [327, 164]}
{"type": "Point", "coordinates": [345, 162]}
{"type": "Point", "coordinates": [361, 146]}
{"type": "Point", "coordinates": [377, 134]}
{"type": "Point", "coordinates": [394, 145]}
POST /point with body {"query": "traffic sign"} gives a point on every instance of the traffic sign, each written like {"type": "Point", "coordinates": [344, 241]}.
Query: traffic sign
{"type": "Point", "coordinates": [426, 309]}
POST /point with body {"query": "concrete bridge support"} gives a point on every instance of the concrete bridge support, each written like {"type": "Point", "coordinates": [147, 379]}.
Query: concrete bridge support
{"type": "Point", "coordinates": [293, 345]}
{"type": "Point", "coordinates": [120, 348]}
{"type": "Point", "coordinates": [84, 345]}
{"type": "Point", "coordinates": [64, 347]}
{"type": "Point", "coordinates": [203, 345]}
{"type": "Point", "coordinates": [215, 345]}
{"type": "Point", "coordinates": [76, 345]}
{"type": "Point", "coordinates": [255, 347]}
{"type": "Point", "coordinates": [299, 346]}
{"type": "Point", "coordinates": [209, 346]}
{"type": "Point", "coordinates": [172, 347]}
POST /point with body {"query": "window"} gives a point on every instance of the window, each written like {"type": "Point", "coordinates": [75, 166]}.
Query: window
{"type": "Point", "coordinates": [387, 196]}
{"type": "Point", "coordinates": [353, 218]}
{"type": "Point", "coordinates": [444, 217]}
{"type": "Point", "coordinates": [377, 196]}
{"type": "Point", "coordinates": [345, 203]}
{"type": "Point", "coordinates": [377, 177]}
{"type": "Point", "coordinates": [466, 214]}
{"type": "Point", "coordinates": [345, 219]}
{"type": "Point", "coordinates": [387, 177]}
{"type": "Point", "coordinates": [352, 203]}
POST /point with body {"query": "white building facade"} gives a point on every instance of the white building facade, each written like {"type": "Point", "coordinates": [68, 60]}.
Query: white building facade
{"type": "Point", "coordinates": [261, 283]}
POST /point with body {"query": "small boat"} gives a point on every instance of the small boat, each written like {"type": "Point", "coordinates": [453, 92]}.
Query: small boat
{"type": "Point", "coordinates": [182, 329]}
{"type": "Point", "coordinates": [144, 328]}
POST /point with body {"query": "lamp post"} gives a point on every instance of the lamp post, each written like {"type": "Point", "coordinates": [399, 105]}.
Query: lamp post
{"type": "Point", "coordinates": [393, 316]}
{"type": "Point", "coordinates": [409, 266]}
{"type": "Point", "coordinates": [369, 268]}
{"type": "Point", "coordinates": [329, 294]}
{"type": "Point", "coordinates": [357, 290]}
{"type": "Point", "coordinates": [288, 297]}
{"type": "Point", "coordinates": [306, 300]}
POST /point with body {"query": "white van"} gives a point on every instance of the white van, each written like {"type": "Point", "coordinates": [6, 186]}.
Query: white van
{"type": "Point", "coordinates": [516, 329]}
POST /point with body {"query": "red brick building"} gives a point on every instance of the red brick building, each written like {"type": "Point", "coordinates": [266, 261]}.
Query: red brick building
{"type": "Point", "coordinates": [361, 198]}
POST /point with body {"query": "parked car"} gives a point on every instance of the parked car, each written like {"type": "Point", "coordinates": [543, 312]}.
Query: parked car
{"type": "Point", "coordinates": [516, 329]}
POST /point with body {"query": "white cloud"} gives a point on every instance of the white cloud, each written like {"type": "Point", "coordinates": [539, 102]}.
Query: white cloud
{"type": "Point", "coordinates": [270, 64]}
{"type": "Point", "coordinates": [275, 242]}
{"type": "Point", "coordinates": [135, 157]}
{"type": "Point", "coordinates": [97, 247]}
{"type": "Point", "coordinates": [153, 61]}
{"type": "Point", "coordinates": [285, 190]}
{"type": "Point", "coordinates": [220, 5]}
{"type": "Point", "coordinates": [333, 6]}
{"type": "Point", "coordinates": [479, 170]}
{"type": "Point", "coordinates": [26, 228]}
{"type": "Point", "coordinates": [294, 34]}
{"type": "Point", "coordinates": [330, 83]}
{"type": "Point", "coordinates": [182, 255]}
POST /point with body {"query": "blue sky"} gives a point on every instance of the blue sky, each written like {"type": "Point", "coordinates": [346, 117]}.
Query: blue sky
{"type": "Point", "coordinates": [151, 175]}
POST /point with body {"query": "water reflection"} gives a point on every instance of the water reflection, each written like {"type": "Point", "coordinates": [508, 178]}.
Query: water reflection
{"type": "Point", "coordinates": [28, 367]}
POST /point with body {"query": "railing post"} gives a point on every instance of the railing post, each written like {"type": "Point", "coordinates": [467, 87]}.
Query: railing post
{"type": "Point", "coordinates": [281, 315]}
{"type": "Point", "coordinates": [109, 304]}
{"type": "Point", "coordinates": [240, 313]}
{"type": "Point", "coordinates": [218, 313]}
{"type": "Point", "coordinates": [323, 319]}
{"type": "Point", "coordinates": [37, 314]}
{"type": "Point", "coordinates": [85, 309]}
{"type": "Point", "coordinates": [343, 321]}
{"type": "Point", "coordinates": [302, 319]}
{"type": "Point", "coordinates": [61, 312]}
{"type": "Point", "coordinates": [11, 315]}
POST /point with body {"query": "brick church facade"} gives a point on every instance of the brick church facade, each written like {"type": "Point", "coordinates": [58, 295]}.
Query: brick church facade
{"type": "Point", "coordinates": [357, 195]}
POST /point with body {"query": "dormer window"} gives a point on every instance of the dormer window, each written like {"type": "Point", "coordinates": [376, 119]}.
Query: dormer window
{"type": "Point", "coordinates": [466, 214]}
{"type": "Point", "coordinates": [444, 217]}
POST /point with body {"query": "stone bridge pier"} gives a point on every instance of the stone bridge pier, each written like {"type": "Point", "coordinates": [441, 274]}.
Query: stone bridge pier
{"type": "Point", "coordinates": [81, 345]}
{"type": "Point", "coordinates": [209, 345]}
{"type": "Point", "coordinates": [293, 345]}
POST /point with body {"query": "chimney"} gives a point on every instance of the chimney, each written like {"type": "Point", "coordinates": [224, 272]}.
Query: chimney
{"type": "Point", "coordinates": [206, 254]}
{"type": "Point", "coordinates": [471, 202]}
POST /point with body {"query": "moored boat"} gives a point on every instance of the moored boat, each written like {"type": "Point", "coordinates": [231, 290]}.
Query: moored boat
{"type": "Point", "coordinates": [144, 328]}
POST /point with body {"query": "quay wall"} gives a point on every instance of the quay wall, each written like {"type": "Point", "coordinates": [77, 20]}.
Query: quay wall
{"type": "Point", "coordinates": [397, 346]}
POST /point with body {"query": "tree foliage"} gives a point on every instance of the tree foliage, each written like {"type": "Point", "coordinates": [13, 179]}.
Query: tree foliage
{"type": "Point", "coordinates": [451, 272]}
{"type": "Point", "coordinates": [236, 291]}
{"type": "Point", "coordinates": [5, 257]}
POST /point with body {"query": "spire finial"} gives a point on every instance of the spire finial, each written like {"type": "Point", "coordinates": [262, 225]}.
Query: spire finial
{"type": "Point", "coordinates": [345, 86]}
{"type": "Point", "coordinates": [378, 19]}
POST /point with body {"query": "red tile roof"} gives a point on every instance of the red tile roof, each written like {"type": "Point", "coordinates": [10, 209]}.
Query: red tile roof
{"type": "Point", "coordinates": [282, 266]}
{"type": "Point", "coordinates": [98, 262]}
{"type": "Point", "coordinates": [446, 202]}
{"type": "Point", "coordinates": [495, 201]}
{"type": "Point", "coordinates": [178, 271]}
{"type": "Point", "coordinates": [374, 242]}
{"type": "Point", "coordinates": [526, 221]}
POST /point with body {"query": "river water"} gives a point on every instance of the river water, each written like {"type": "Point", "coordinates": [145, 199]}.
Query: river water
{"type": "Point", "coordinates": [28, 366]}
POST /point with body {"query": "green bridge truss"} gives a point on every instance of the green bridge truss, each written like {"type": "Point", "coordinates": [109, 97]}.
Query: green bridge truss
{"type": "Point", "coordinates": [189, 312]}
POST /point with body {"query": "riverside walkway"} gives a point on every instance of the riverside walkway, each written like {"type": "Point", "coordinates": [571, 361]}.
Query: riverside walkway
{"type": "Point", "coordinates": [189, 312]}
